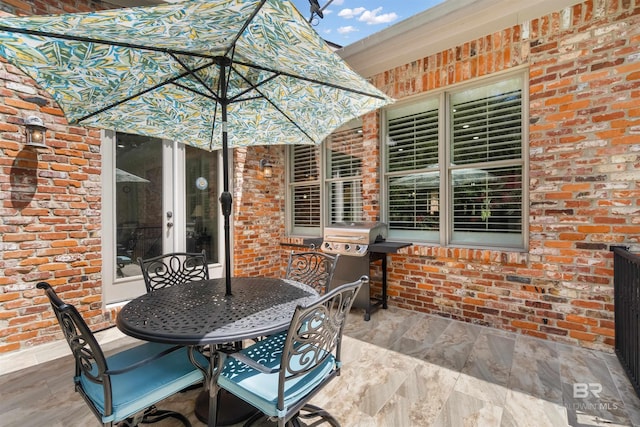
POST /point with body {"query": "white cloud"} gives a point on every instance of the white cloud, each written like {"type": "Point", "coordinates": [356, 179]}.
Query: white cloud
{"type": "Point", "coordinates": [371, 17]}
{"type": "Point", "coordinates": [351, 13]}
{"type": "Point", "coordinates": [329, 10]}
{"type": "Point", "coordinates": [348, 29]}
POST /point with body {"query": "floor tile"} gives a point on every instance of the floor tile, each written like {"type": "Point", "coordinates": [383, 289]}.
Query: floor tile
{"type": "Point", "coordinates": [400, 369]}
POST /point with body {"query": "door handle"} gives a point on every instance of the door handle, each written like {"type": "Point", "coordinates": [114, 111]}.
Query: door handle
{"type": "Point", "coordinates": [169, 216]}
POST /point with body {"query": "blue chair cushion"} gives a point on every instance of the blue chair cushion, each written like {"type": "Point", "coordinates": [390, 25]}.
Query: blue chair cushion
{"type": "Point", "coordinates": [136, 390]}
{"type": "Point", "coordinates": [124, 260]}
{"type": "Point", "coordinates": [260, 389]}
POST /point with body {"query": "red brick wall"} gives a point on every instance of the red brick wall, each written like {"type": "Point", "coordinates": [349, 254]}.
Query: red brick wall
{"type": "Point", "coordinates": [50, 207]}
{"type": "Point", "coordinates": [259, 222]}
{"type": "Point", "coordinates": [584, 178]}
{"type": "Point", "coordinates": [584, 195]}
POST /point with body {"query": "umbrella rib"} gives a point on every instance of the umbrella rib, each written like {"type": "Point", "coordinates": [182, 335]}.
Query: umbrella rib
{"type": "Point", "coordinates": [253, 86]}
{"type": "Point", "coordinates": [262, 95]}
{"type": "Point", "coordinates": [135, 95]}
{"type": "Point", "coordinates": [195, 76]}
{"type": "Point", "coordinates": [197, 92]}
{"type": "Point", "coordinates": [288, 118]}
{"type": "Point", "coordinates": [101, 41]}
{"type": "Point", "coordinates": [237, 99]}
{"type": "Point", "coordinates": [244, 27]}
{"type": "Point", "coordinates": [320, 82]}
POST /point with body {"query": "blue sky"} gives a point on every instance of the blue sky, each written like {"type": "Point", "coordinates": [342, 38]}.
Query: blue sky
{"type": "Point", "coordinates": [347, 21]}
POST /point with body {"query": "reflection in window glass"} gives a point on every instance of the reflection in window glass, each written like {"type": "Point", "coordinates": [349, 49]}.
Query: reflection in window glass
{"type": "Point", "coordinates": [138, 201]}
{"type": "Point", "coordinates": [201, 202]}
{"type": "Point", "coordinates": [488, 199]}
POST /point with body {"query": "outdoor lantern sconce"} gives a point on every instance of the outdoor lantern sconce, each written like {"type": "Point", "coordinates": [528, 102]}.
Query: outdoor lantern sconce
{"type": "Point", "coordinates": [267, 168]}
{"type": "Point", "coordinates": [36, 132]}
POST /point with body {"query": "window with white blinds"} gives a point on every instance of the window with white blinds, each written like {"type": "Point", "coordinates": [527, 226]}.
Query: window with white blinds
{"type": "Point", "coordinates": [412, 163]}
{"type": "Point", "coordinates": [332, 193]}
{"type": "Point", "coordinates": [479, 174]}
{"type": "Point", "coordinates": [486, 163]}
{"type": "Point", "coordinates": [345, 154]}
{"type": "Point", "coordinates": [304, 189]}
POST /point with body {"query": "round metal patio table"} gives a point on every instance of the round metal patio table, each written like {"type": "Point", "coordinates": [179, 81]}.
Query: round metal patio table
{"type": "Point", "coordinates": [199, 313]}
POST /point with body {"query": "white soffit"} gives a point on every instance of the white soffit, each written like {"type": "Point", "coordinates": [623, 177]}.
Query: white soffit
{"type": "Point", "coordinates": [447, 25]}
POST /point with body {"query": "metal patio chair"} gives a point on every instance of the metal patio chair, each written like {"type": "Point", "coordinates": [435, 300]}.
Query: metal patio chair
{"type": "Point", "coordinates": [122, 389]}
{"type": "Point", "coordinates": [174, 269]}
{"type": "Point", "coordinates": [281, 373]}
{"type": "Point", "coordinates": [312, 268]}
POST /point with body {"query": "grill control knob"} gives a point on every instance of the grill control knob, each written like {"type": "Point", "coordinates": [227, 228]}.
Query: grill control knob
{"type": "Point", "coordinates": [347, 247]}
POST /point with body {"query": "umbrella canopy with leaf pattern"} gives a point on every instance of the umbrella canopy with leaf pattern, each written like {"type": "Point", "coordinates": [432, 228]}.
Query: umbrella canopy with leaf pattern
{"type": "Point", "coordinates": [212, 74]}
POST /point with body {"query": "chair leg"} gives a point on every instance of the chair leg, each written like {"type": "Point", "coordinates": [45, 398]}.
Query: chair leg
{"type": "Point", "coordinates": [153, 415]}
{"type": "Point", "coordinates": [159, 415]}
{"type": "Point", "coordinates": [255, 417]}
{"type": "Point", "coordinates": [312, 411]}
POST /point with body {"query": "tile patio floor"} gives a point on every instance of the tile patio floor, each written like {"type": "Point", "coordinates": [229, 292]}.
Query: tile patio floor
{"type": "Point", "coordinates": [400, 369]}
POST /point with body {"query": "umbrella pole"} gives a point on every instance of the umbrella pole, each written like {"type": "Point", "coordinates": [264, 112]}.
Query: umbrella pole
{"type": "Point", "coordinates": [226, 201]}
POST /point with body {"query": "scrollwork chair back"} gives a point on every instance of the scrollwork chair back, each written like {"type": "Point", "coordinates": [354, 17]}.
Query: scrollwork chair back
{"type": "Point", "coordinates": [280, 374]}
{"type": "Point", "coordinates": [173, 269]}
{"type": "Point", "coordinates": [312, 268]}
{"type": "Point", "coordinates": [125, 386]}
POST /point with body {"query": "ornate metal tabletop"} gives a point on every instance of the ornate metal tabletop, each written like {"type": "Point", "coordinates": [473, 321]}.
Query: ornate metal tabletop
{"type": "Point", "coordinates": [200, 313]}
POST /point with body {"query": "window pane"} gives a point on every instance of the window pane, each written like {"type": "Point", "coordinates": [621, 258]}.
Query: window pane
{"type": "Point", "coordinates": [138, 201]}
{"type": "Point", "coordinates": [413, 195]}
{"type": "Point", "coordinates": [306, 210]}
{"type": "Point", "coordinates": [412, 139]}
{"type": "Point", "coordinates": [201, 202]}
{"type": "Point", "coordinates": [487, 123]}
{"type": "Point", "coordinates": [346, 201]}
{"type": "Point", "coordinates": [346, 151]}
{"type": "Point", "coordinates": [305, 189]}
{"type": "Point", "coordinates": [414, 202]}
{"type": "Point", "coordinates": [487, 133]}
{"type": "Point", "coordinates": [306, 163]}
{"type": "Point", "coordinates": [487, 200]}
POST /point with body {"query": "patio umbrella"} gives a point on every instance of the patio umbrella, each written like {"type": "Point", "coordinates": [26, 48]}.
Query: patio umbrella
{"type": "Point", "coordinates": [212, 74]}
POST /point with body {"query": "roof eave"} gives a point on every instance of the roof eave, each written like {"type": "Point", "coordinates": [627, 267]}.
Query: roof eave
{"type": "Point", "coordinates": [449, 24]}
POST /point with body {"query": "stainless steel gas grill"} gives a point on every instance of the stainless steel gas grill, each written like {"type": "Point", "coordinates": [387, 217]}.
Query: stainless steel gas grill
{"type": "Point", "coordinates": [353, 241]}
{"type": "Point", "coordinates": [352, 238]}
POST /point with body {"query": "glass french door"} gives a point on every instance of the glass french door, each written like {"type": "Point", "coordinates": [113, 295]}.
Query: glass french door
{"type": "Point", "coordinates": [158, 197]}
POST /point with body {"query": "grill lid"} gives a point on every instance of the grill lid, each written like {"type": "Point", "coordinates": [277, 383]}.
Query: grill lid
{"type": "Point", "coordinates": [352, 238]}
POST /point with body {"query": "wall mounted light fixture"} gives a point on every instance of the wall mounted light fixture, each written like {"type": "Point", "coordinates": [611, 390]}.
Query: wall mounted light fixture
{"type": "Point", "coordinates": [267, 168]}
{"type": "Point", "coordinates": [36, 132]}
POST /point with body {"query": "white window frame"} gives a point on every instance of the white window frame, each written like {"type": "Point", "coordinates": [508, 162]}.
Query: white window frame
{"type": "Point", "coordinates": [117, 290]}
